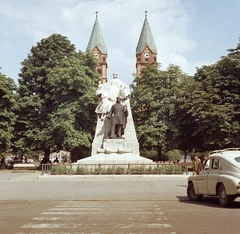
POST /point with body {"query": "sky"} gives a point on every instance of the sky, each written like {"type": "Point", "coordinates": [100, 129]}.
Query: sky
{"type": "Point", "coordinates": [187, 33]}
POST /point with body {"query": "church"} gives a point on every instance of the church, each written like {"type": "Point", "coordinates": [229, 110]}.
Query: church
{"type": "Point", "coordinates": [146, 50]}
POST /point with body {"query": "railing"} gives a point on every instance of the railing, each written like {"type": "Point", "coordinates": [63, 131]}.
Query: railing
{"type": "Point", "coordinates": [114, 169]}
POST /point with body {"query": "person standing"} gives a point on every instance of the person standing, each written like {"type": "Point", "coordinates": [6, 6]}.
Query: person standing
{"type": "Point", "coordinates": [205, 162]}
{"type": "Point", "coordinates": [197, 165]}
{"type": "Point", "coordinates": [2, 162]}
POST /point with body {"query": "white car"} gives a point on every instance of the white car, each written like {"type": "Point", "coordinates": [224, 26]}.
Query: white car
{"type": "Point", "coordinates": [220, 177]}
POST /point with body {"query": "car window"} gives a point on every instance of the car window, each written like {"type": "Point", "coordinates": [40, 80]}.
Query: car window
{"type": "Point", "coordinates": [237, 159]}
{"type": "Point", "coordinates": [206, 165]}
{"type": "Point", "coordinates": [215, 163]}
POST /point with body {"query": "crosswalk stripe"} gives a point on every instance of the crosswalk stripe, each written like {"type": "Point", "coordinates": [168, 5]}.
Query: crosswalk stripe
{"type": "Point", "coordinates": [52, 225]}
{"type": "Point", "coordinates": [67, 216]}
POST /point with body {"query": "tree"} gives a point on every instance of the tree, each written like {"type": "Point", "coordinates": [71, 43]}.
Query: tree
{"type": "Point", "coordinates": [154, 103]}
{"type": "Point", "coordinates": [57, 98]}
{"type": "Point", "coordinates": [7, 116]}
{"type": "Point", "coordinates": [212, 103]}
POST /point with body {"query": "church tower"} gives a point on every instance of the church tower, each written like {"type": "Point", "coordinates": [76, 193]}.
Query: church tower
{"type": "Point", "coordinates": [146, 51]}
{"type": "Point", "coordinates": [97, 46]}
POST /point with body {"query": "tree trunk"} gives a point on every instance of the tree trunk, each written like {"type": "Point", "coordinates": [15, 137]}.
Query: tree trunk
{"type": "Point", "coordinates": [47, 153]}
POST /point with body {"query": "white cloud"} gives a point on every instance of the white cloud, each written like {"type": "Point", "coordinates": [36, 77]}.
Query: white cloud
{"type": "Point", "coordinates": [121, 23]}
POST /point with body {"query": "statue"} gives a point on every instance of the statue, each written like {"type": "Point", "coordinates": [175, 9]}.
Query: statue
{"type": "Point", "coordinates": [119, 116]}
{"type": "Point", "coordinates": [108, 93]}
{"type": "Point", "coordinates": [105, 104]}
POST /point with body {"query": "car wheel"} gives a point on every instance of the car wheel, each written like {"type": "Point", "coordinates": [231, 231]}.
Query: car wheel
{"type": "Point", "coordinates": [191, 193]}
{"type": "Point", "coordinates": [223, 198]}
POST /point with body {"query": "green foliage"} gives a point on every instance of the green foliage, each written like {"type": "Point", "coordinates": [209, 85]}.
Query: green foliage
{"type": "Point", "coordinates": [173, 155]}
{"type": "Point", "coordinates": [151, 170]}
{"type": "Point", "coordinates": [120, 170]}
{"type": "Point", "coordinates": [80, 170]}
{"type": "Point", "coordinates": [7, 115]}
{"type": "Point", "coordinates": [212, 103]}
{"type": "Point", "coordinates": [177, 111]}
{"type": "Point", "coordinates": [137, 170]}
{"type": "Point", "coordinates": [57, 96]}
{"type": "Point", "coordinates": [155, 100]}
{"type": "Point", "coordinates": [151, 154]}
{"type": "Point", "coordinates": [61, 169]}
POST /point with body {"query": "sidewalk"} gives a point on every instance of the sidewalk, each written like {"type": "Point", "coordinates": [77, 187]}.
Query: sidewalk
{"type": "Point", "coordinates": [10, 175]}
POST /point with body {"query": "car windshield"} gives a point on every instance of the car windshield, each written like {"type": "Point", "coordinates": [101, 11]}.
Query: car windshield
{"type": "Point", "coordinates": [237, 159]}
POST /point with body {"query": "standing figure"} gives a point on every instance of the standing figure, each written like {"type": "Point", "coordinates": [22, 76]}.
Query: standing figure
{"type": "Point", "coordinates": [197, 165]}
{"type": "Point", "coordinates": [117, 114]}
{"type": "Point", "coordinates": [205, 162]}
{"type": "Point", "coordinates": [3, 162]}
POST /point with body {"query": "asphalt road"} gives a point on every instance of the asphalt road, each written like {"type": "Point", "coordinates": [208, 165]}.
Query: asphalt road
{"type": "Point", "coordinates": [31, 203]}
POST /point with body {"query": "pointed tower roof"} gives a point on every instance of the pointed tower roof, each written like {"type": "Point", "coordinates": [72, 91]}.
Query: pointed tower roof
{"type": "Point", "coordinates": [96, 38]}
{"type": "Point", "coordinates": [146, 38]}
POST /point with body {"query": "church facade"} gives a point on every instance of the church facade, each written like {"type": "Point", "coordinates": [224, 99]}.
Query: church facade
{"type": "Point", "coordinates": [146, 50]}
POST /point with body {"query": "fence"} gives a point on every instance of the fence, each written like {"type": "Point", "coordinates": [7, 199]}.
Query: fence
{"type": "Point", "coordinates": [113, 169]}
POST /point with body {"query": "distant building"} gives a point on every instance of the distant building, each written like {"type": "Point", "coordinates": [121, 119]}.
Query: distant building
{"type": "Point", "coordinates": [97, 46]}
{"type": "Point", "coordinates": [146, 51]}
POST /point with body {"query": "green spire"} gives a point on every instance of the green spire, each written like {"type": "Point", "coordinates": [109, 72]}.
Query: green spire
{"type": "Point", "coordinates": [96, 38]}
{"type": "Point", "coordinates": [146, 38]}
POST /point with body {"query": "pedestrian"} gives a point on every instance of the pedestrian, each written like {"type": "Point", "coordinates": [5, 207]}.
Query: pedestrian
{"type": "Point", "coordinates": [2, 162]}
{"type": "Point", "coordinates": [56, 160]}
{"type": "Point", "coordinates": [205, 162]}
{"type": "Point", "coordinates": [197, 165]}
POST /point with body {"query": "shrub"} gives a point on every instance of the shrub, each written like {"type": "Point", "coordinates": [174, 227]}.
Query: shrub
{"type": "Point", "coordinates": [173, 155]}
{"type": "Point", "coordinates": [80, 170]}
{"type": "Point", "coordinates": [137, 170]}
{"type": "Point", "coordinates": [60, 169]}
{"type": "Point", "coordinates": [120, 170]}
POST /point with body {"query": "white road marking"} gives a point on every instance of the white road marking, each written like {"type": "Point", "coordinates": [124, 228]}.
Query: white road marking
{"type": "Point", "coordinates": [64, 213]}
{"type": "Point", "coordinates": [71, 208]}
{"type": "Point", "coordinates": [67, 217]}
{"type": "Point", "coordinates": [52, 218]}
{"type": "Point", "coordinates": [158, 225]}
{"type": "Point", "coordinates": [51, 225]}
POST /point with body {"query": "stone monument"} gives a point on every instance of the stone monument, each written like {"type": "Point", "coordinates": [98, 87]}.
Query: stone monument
{"type": "Point", "coordinates": [115, 138]}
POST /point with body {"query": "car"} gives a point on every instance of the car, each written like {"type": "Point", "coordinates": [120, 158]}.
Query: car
{"type": "Point", "coordinates": [220, 176]}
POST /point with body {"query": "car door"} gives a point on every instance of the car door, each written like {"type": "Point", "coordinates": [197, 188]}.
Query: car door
{"type": "Point", "coordinates": [213, 175]}
{"type": "Point", "coordinates": [202, 178]}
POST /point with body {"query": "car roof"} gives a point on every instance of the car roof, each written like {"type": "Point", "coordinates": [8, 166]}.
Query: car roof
{"type": "Point", "coordinates": [228, 154]}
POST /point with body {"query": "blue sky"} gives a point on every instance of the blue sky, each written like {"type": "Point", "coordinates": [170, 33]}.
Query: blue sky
{"type": "Point", "coordinates": [188, 33]}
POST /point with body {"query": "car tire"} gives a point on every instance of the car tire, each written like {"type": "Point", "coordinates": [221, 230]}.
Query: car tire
{"type": "Point", "coordinates": [191, 193]}
{"type": "Point", "coordinates": [223, 198]}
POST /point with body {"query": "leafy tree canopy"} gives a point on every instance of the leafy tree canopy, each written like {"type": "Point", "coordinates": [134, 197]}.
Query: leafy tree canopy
{"type": "Point", "coordinates": [7, 116]}
{"type": "Point", "coordinates": [188, 113]}
{"type": "Point", "coordinates": [57, 96]}
{"type": "Point", "coordinates": [213, 102]}
{"type": "Point", "coordinates": [154, 103]}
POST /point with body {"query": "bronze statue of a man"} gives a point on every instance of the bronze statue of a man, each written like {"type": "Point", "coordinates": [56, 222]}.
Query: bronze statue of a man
{"type": "Point", "coordinates": [118, 113]}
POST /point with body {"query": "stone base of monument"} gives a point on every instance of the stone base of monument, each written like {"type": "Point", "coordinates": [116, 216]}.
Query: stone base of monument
{"type": "Point", "coordinates": [24, 167]}
{"type": "Point", "coordinates": [114, 158]}
{"type": "Point", "coordinates": [115, 151]}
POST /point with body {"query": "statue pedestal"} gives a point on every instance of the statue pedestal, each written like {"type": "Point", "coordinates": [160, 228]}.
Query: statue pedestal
{"type": "Point", "coordinates": [106, 150]}
{"type": "Point", "coordinates": [102, 136]}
